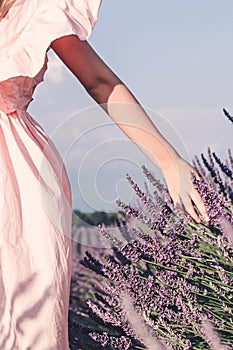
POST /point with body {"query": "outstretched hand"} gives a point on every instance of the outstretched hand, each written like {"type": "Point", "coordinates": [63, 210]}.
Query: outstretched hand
{"type": "Point", "coordinates": [178, 179]}
{"type": "Point", "coordinates": [119, 103]}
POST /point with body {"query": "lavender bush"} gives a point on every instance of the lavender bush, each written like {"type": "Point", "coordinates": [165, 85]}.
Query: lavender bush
{"type": "Point", "coordinates": [168, 282]}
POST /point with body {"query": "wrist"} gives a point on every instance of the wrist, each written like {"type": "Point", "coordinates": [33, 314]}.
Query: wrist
{"type": "Point", "coordinates": [168, 160]}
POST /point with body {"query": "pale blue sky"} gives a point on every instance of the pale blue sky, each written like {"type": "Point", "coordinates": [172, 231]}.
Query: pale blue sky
{"type": "Point", "coordinates": [177, 58]}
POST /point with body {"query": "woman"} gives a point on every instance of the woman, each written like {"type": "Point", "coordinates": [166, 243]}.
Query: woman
{"type": "Point", "coordinates": [35, 227]}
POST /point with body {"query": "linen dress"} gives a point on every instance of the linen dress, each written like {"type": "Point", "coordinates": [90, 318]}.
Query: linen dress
{"type": "Point", "coordinates": [35, 198]}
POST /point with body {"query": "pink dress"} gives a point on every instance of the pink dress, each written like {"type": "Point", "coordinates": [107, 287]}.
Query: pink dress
{"type": "Point", "coordinates": [35, 200]}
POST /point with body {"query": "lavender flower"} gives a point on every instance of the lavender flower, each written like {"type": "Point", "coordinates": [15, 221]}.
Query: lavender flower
{"type": "Point", "coordinates": [227, 114]}
{"type": "Point", "coordinates": [160, 285]}
{"type": "Point", "coordinates": [141, 330]}
{"type": "Point", "coordinates": [117, 343]}
{"type": "Point", "coordinates": [212, 337]}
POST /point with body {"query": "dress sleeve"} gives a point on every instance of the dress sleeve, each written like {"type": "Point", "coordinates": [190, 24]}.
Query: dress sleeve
{"type": "Point", "coordinates": [33, 24]}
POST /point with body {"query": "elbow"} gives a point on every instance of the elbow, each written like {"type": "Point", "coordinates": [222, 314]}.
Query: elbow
{"type": "Point", "coordinates": [101, 89]}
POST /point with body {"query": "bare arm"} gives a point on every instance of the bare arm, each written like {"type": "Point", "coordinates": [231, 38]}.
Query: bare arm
{"type": "Point", "coordinates": [119, 103]}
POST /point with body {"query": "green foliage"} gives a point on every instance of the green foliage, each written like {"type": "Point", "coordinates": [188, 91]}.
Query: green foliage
{"type": "Point", "coordinates": [94, 219]}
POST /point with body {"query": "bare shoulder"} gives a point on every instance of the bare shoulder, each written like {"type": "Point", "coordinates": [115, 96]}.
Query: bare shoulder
{"type": "Point", "coordinates": [67, 43]}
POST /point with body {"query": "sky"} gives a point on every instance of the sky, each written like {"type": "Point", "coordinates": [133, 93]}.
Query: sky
{"type": "Point", "coordinates": [176, 57]}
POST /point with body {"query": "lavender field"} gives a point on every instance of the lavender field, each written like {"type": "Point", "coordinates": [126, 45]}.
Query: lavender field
{"type": "Point", "coordinates": [164, 281]}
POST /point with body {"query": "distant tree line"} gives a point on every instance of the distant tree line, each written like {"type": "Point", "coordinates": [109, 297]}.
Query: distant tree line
{"type": "Point", "coordinates": [96, 218]}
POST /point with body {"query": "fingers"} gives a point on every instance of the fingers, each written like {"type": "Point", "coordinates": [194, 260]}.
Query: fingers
{"type": "Point", "coordinates": [184, 194]}
{"type": "Point", "coordinates": [189, 209]}
{"type": "Point", "coordinates": [186, 204]}
{"type": "Point", "coordinates": [196, 198]}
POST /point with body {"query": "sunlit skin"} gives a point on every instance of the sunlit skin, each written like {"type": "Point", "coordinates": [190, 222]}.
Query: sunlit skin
{"type": "Point", "coordinates": [111, 93]}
